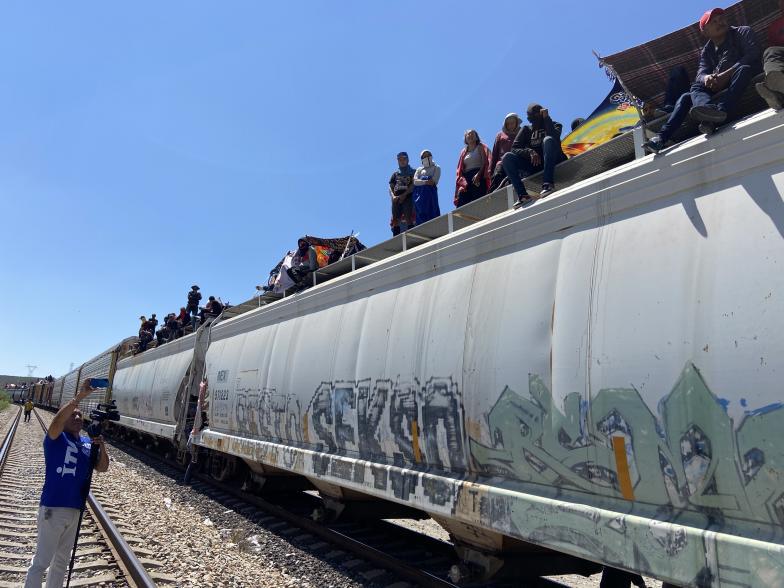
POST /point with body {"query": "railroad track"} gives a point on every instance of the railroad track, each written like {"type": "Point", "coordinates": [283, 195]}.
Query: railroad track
{"type": "Point", "coordinates": [376, 551]}
{"type": "Point", "coordinates": [103, 555]}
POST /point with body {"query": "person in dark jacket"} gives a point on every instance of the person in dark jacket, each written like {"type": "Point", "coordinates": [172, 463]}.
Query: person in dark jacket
{"type": "Point", "coordinates": [213, 309]}
{"type": "Point", "coordinates": [728, 62]}
{"type": "Point", "coordinates": [401, 186]}
{"type": "Point", "coordinates": [537, 147]}
{"type": "Point", "coordinates": [304, 263]}
{"type": "Point", "coordinates": [194, 297]}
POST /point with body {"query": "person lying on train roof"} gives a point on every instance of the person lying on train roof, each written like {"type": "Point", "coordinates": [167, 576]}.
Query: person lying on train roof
{"type": "Point", "coordinates": [537, 147]}
{"type": "Point", "coordinates": [772, 89]}
{"type": "Point", "coordinates": [728, 62]}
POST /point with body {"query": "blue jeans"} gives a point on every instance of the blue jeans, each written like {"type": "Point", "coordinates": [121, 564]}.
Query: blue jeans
{"type": "Point", "coordinates": [515, 163]}
{"type": "Point", "coordinates": [699, 95]}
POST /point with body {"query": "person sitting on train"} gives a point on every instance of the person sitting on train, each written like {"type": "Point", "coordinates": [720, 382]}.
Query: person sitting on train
{"type": "Point", "coordinates": [728, 62]}
{"type": "Point", "coordinates": [163, 335]}
{"type": "Point", "coordinates": [145, 337]}
{"type": "Point", "coordinates": [174, 326]}
{"type": "Point", "coordinates": [473, 169]}
{"type": "Point", "coordinates": [772, 89]}
{"type": "Point", "coordinates": [213, 309]}
{"type": "Point", "coordinates": [304, 263]}
{"type": "Point", "coordinates": [537, 147]}
{"type": "Point", "coordinates": [183, 318]}
{"type": "Point", "coordinates": [194, 296]}
{"type": "Point", "coordinates": [501, 146]}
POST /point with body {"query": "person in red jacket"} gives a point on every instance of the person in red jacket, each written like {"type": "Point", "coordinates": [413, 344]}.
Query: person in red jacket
{"type": "Point", "coordinates": [501, 146]}
{"type": "Point", "coordinates": [473, 169]}
{"type": "Point", "coordinates": [772, 89]}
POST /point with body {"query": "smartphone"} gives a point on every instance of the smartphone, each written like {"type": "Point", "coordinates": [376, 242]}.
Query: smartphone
{"type": "Point", "coordinates": [99, 382]}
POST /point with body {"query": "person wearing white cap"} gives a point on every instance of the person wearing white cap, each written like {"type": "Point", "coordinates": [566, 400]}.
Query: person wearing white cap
{"type": "Point", "coordinates": [426, 189]}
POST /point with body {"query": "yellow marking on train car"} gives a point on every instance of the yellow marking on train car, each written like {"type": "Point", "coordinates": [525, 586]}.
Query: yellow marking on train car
{"type": "Point", "coordinates": [622, 467]}
{"type": "Point", "coordinates": [305, 435]}
{"type": "Point", "coordinates": [415, 441]}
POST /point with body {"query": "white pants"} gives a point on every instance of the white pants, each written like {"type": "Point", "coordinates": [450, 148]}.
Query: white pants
{"type": "Point", "coordinates": [56, 533]}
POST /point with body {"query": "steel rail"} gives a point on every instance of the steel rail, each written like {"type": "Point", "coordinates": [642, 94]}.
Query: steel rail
{"type": "Point", "coordinates": [5, 449]}
{"type": "Point", "coordinates": [128, 560]}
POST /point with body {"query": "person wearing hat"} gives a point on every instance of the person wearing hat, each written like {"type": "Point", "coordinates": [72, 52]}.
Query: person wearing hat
{"type": "Point", "coordinates": [728, 62]}
{"type": "Point", "coordinates": [772, 89]}
{"type": "Point", "coordinates": [501, 146]}
{"type": "Point", "coordinates": [401, 186]}
{"type": "Point", "coordinates": [194, 296]}
{"type": "Point", "coordinates": [425, 195]}
{"type": "Point", "coordinates": [537, 147]}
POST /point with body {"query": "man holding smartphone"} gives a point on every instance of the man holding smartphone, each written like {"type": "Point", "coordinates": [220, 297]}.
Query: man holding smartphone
{"type": "Point", "coordinates": [67, 455]}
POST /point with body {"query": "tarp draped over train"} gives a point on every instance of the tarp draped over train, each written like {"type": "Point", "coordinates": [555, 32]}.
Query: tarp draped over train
{"type": "Point", "coordinates": [327, 251]}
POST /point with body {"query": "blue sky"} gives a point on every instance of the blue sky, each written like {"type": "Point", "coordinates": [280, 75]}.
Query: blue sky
{"type": "Point", "coordinates": [148, 146]}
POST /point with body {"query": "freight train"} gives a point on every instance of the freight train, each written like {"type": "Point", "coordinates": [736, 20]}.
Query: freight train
{"type": "Point", "coordinates": [597, 375]}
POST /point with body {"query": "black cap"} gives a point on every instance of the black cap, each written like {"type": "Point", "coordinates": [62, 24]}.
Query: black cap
{"type": "Point", "coordinates": [194, 287]}
{"type": "Point", "coordinates": [402, 154]}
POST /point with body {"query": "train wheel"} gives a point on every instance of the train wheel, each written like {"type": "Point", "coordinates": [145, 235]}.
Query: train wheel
{"type": "Point", "coordinates": [221, 467]}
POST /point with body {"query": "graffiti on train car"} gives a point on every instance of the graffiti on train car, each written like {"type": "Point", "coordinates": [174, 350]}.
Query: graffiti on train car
{"type": "Point", "coordinates": [423, 423]}
{"type": "Point", "coordinates": [692, 457]}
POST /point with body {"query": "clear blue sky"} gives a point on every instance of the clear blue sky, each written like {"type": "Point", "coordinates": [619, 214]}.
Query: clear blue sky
{"type": "Point", "coordinates": [148, 146]}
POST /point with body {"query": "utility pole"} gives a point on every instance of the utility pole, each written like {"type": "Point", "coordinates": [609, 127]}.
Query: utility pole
{"type": "Point", "coordinates": [30, 370]}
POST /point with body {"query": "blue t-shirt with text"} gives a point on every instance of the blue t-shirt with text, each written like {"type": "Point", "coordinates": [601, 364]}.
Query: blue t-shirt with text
{"type": "Point", "coordinates": [67, 466]}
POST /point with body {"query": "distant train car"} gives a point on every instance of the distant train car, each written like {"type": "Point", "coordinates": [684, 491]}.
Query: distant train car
{"type": "Point", "coordinates": [101, 366]}
{"type": "Point", "coordinates": [57, 393]}
{"type": "Point", "coordinates": [149, 388]}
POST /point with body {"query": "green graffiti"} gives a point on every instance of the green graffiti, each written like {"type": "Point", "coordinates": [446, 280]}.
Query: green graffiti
{"type": "Point", "coordinates": [690, 466]}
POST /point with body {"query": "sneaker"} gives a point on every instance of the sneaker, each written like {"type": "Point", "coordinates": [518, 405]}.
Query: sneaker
{"type": "Point", "coordinates": [547, 189]}
{"type": "Point", "coordinates": [706, 128]}
{"type": "Point", "coordinates": [708, 114]}
{"type": "Point", "coordinates": [524, 201]}
{"type": "Point", "coordinates": [775, 81]}
{"type": "Point", "coordinates": [654, 144]}
{"type": "Point", "coordinates": [774, 99]}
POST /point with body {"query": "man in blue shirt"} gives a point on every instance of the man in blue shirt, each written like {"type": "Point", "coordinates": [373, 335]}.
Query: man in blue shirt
{"type": "Point", "coordinates": [728, 62]}
{"type": "Point", "coordinates": [67, 455]}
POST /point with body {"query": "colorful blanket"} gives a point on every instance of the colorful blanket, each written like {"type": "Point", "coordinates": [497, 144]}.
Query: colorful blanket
{"type": "Point", "coordinates": [645, 69]}
{"type": "Point", "coordinates": [615, 115]}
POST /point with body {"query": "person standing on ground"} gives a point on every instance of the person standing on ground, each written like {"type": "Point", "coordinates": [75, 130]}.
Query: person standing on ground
{"type": "Point", "coordinates": [401, 186]}
{"type": "Point", "coordinates": [28, 409]}
{"type": "Point", "coordinates": [772, 89]}
{"type": "Point", "coordinates": [473, 169]}
{"type": "Point", "coordinates": [425, 194]}
{"type": "Point", "coordinates": [67, 455]}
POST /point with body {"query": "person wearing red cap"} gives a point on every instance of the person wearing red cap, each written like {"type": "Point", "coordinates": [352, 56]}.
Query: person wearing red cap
{"type": "Point", "coordinates": [728, 62]}
{"type": "Point", "coordinates": [772, 89]}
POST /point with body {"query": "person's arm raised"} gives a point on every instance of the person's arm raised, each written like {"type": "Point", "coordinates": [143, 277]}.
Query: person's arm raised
{"type": "Point", "coordinates": [66, 410]}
